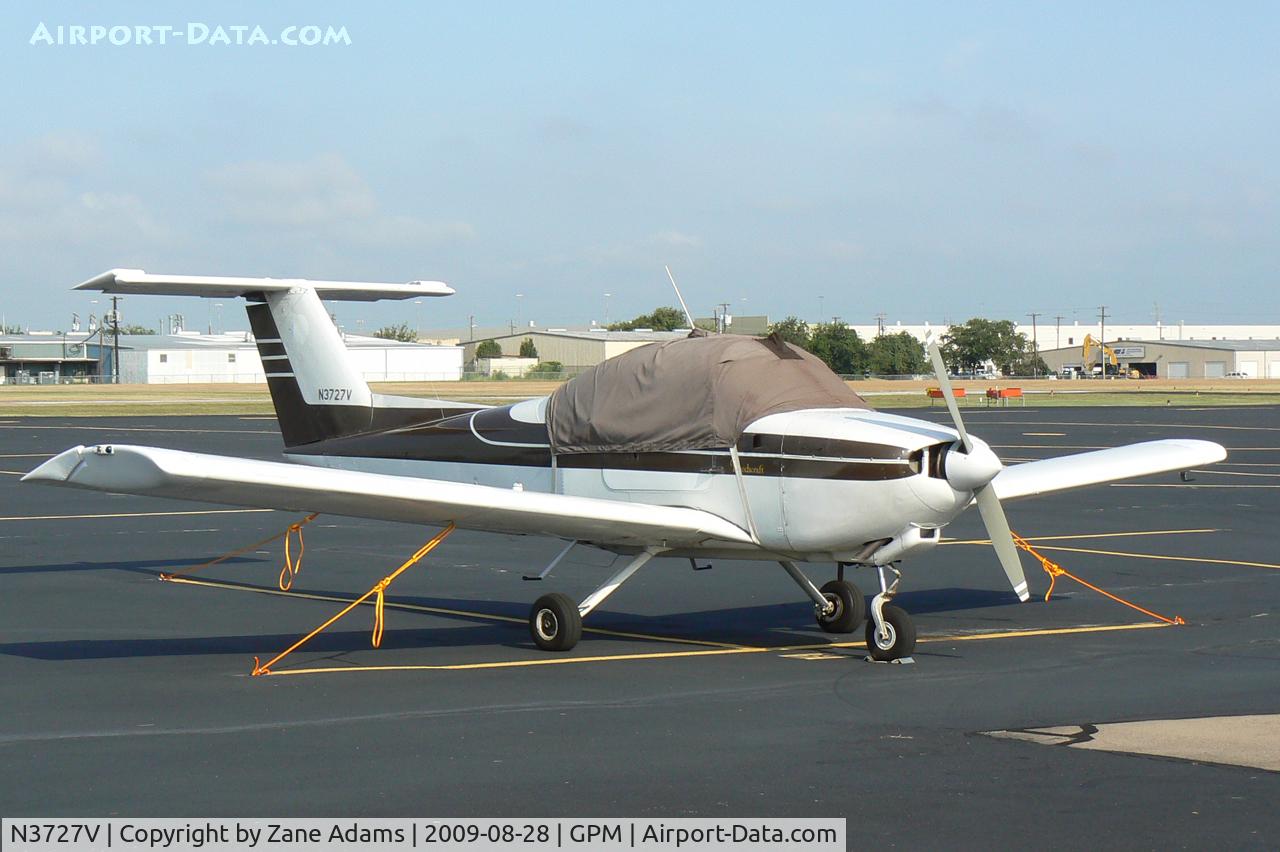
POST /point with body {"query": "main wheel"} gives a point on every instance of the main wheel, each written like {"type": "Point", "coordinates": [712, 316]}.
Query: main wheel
{"type": "Point", "coordinates": [901, 640]}
{"type": "Point", "coordinates": [850, 607]}
{"type": "Point", "coordinates": [554, 623]}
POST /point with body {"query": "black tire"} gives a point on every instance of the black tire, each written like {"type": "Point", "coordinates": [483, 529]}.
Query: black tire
{"type": "Point", "coordinates": [554, 623]}
{"type": "Point", "coordinates": [850, 609]}
{"type": "Point", "coordinates": [902, 635]}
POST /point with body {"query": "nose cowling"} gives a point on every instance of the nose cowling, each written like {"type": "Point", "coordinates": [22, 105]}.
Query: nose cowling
{"type": "Point", "coordinates": [974, 469]}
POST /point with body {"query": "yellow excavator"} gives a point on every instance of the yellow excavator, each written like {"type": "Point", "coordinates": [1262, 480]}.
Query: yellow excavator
{"type": "Point", "coordinates": [1108, 353]}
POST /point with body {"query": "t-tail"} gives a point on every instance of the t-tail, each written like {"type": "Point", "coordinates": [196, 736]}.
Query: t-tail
{"type": "Point", "coordinates": [317, 391]}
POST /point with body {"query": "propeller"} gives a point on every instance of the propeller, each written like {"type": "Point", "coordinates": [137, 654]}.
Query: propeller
{"type": "Point", "coordinates": [974, 472]}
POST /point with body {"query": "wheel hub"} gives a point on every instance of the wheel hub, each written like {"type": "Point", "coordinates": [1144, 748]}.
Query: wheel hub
{"type": "Point", "coordinates": [547, 624]}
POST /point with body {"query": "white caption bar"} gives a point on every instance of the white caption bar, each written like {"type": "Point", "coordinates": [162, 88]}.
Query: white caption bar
{"type": "Point", "coordinates": [308, 835]}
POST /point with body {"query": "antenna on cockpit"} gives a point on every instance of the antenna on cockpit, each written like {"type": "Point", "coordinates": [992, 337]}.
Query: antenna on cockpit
{"type": "Point", "coordinates": [683, 306]}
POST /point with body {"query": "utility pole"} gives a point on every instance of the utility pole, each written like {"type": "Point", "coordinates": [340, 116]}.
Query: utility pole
{"type": "Point", "coordinates": [471, 324]}
{"type": "Point", "coordinates": [1035, 348]}
{"type": "Point", "coordinates": [1102, 344]}
{"type": "Point", "coordinates": [723, 324]}
{"type": "Point", "coordinates": [880, 317]}
{"type": "Point", "coordinates": [115, 333]}
{"type": "Point", "coordinates": [1057, 330]}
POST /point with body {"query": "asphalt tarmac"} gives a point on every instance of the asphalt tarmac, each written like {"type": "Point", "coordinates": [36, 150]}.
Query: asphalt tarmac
{"type": "Point", "coordinates": [708, 693]}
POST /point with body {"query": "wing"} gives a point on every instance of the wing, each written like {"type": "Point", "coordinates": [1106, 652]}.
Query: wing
{"type": "Point", "coordinates": [180, 475]}
{"type": "Point", "coordinates": [1063, 472]}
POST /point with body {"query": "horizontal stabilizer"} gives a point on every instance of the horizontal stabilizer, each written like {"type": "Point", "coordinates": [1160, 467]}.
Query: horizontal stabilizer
{"type": "Point", "coordinates": [1099, 466]}
{"type": "Point", "coordinates": [233, 481]}
{"type": "Point", "coordinates": [137, 282]}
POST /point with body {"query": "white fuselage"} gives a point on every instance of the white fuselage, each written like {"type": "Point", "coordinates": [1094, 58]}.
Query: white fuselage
{"type": "Point", "coordinates": [815, 485]}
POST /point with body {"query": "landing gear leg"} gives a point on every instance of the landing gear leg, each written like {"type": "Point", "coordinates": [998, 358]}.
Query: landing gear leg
{"type": "Point", "coordinates": [556, 624]}
{"type": "Point", "coordinates": [891, 634]}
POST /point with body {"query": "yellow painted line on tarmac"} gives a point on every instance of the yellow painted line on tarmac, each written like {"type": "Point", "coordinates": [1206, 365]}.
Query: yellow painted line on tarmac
{"type": "Point", "coordinates": [1113, 446]}
{"type": "Point", "coordinates": [1237, 473]}
{"type": "Point", "coordinates": [26, 455]}
{"type": "Point", "coordinates": [786, 650]}
{"type": "Point", "coordinates": [1044, 434]}
{"type": "Point", "coordinates": [436, 610]}
{"type": "Point", "coordinates": [107, 428]}
{"type": "Point", "coordinates": [1183, 485]}
{"type": "Point", "coordinates": [133, 514]}
{"type": "Point", "coordinates": [14, 472]}
{"type": "Point", "coordinates": [1087, 535]}
{"type": "Point", "coordinates": [1162, 557]}
{"type": "Point", "coordinates": [1140, 425]}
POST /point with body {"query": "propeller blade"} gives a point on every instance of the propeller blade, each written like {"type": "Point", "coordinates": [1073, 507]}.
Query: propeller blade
{"type": "Point", "coordinates": [940, 370]}
{"type": "Point", "coordinates": [1002, 539]}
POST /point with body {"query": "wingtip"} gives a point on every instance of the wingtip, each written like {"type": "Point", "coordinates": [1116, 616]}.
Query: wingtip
{"type": "Point", "coordinates": [105, 280]}
{"type": "Point", "coordinates": [57, 469]}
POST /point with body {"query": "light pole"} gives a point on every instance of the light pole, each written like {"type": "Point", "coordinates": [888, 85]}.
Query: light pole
{"type": "Point", "coordinates": [606, 310]}
{"type": "Point", "coordinates": [418, 303]}
{"type": "Point", "coordinates": [1102, 344]}
{"type": "Point", "coordinates": [1035, 348]}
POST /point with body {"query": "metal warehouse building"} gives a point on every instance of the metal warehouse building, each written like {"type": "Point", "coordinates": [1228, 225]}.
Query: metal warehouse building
{"type": "Point", "coordinates": [1182, 359]}
{"type": "Point", "coordinates": [195, 358]}
{"type": "Point", "coordinates": [575, 349]}
{"type": "Point", "coordinates": [50, 358]}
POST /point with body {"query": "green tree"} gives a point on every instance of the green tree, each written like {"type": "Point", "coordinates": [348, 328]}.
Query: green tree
{"type": "Point", "coordinates": [662, 319]}
{"type": "Point", "coordinates": [133, 329]}
{"type": "Point", "coordinates": [793, 330]}
{"type": "Point", "coordinates": [840, 347]}
{"type": "Point", "coordinates": [967, 347]}
{"type": "Point", "coordinates": [11, 329]}
{"type": "Point", "coordinates": [542, 369]}
{"type": "Point", "coordinates": [896, 355]}
{"type": "Point", "coordinates": [400, 332]}
{"type": "Point", "coordinates": [488, 349]}
{"type": "Point", "coordinates": [527, 349]}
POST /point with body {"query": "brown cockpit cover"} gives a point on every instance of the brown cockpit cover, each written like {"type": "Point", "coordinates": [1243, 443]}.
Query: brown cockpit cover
{"type": "Point", "coordinates": [689, 394]}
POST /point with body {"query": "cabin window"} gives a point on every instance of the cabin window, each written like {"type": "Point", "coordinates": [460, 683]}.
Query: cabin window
{"type": "Point", "coordinates": [164, 358]}
{"type": "Point", "coordinates": [231, 357]}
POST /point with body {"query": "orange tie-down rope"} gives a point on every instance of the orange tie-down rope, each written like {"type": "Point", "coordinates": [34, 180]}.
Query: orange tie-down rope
{"type": "Point", "coordinates": [288, 571]}
{"type": "Point", "coordinates": [378, 615]}
{"type": "Point", "coordinates": [1054, 570]}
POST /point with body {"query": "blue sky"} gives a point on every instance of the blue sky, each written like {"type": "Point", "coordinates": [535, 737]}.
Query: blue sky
{"type": "Point", "coordinates": [933, 161]}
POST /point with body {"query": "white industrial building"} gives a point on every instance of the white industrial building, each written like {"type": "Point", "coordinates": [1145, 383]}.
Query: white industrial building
{"type": "Point", "coordinates": [190, 358]}
{"type": "Point", "coordinates": [1050, 334]}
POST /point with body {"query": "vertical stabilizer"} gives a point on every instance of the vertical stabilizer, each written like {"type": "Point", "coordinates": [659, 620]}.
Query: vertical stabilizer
{"type": "Point", "coordinates": [315, 388]}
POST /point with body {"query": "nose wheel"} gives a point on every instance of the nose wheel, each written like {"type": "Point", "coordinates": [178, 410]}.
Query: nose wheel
{"type": "Point", "coordinates": [891, 634]}
{"type": "Point", "coordinates": [894, 639]}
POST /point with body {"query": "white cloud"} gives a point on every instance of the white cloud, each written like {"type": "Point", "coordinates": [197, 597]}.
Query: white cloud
{"type": "Point", "coordinates": [651, 248]}
{"type": "Point", "coordinates": [54, 193]}
{"type": "Point", "coordinates": [321, 197]}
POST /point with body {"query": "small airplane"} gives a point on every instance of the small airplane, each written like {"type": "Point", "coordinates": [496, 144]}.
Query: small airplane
{"type": "Point", "coordinates": [711, 446]}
